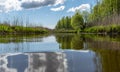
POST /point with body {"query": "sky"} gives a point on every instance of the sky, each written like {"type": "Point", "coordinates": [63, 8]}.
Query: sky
{"type": "Point", "coordinates": [44, 13]}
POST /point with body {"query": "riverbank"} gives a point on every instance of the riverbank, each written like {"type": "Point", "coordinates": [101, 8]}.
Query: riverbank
{"type": "Point", "coordinates": [110, 29]}
{"type": "Point", "coordinates": [7, 29]}
{"type": "Point", "coordinates": [64, 31]}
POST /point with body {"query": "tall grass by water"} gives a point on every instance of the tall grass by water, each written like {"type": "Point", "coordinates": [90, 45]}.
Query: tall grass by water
{"type": "Point", "coordinates": [104, 29]}
{"type": "Point", "coordinates": [7, 29]}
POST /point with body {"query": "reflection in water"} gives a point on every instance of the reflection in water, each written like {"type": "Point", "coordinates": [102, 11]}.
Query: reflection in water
{"type": "Point", "coordinates": [108, 49]}
{"type": "Point", "coordinates": [83, 61]}
{"type": "Point", "coordinates": [68, 61]}
{"type": "Point", "coordinates": [64, 40]}
{"type": "Point", "coordinates": [20, 38]}
{"type": "Point", "coordinates": [46, 62]}
{"type": "Point", "coordinates": [60, 53]}
{"type": "Point", "coordinates": [110, 60]}
{"type": "Point", "coordinates": [103, 44]}
{"type": "Point", "coordinates": [30, 45]}
{"type": "Point", "coordinates": [70, 41]}
{"type": "Point", "coordinates": [18, 62]}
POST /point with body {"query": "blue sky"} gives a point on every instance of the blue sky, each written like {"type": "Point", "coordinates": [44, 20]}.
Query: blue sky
{"type": "Point", "coordinates": [41, 12]}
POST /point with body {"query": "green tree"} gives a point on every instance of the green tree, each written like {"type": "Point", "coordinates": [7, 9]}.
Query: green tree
{"type": "Point", "coordinates": [68, 22]}
{"type": "Point", "coordinates": [64, 23]}
{"type": "Point", "coordinates": [77, 21]}
{"type": "Point", "coordinates": [85, 15]}
{"type": "Point", "coordinates": [103, 12]}
{"type": "Point", "coordinates": [58, 25]}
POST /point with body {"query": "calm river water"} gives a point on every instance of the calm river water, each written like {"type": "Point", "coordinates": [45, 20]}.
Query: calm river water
{"type": "Point", "coordinates": [60, 53]}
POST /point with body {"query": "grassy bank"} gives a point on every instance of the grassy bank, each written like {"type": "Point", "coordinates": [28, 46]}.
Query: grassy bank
{"type": "Point", "coordinates": [110, 29]}
{"type": "Point", "coordinates": [7, 29]}
{"type": "Point", "coordinates": [114, 29]}
{"type": "Point", "coordinates": [65, 31]}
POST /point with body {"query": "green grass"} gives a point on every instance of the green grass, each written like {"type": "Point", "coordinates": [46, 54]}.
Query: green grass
{"type": "Point", "coordinates": [7, 29]}
{"type": "Point", "coordinates": [103, 29]}
{"type": "Point", "coordinates": [65, 31]}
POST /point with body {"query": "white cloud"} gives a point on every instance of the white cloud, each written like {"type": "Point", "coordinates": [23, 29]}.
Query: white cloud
{"type": "Point", "coordinates": [10, 5]}
{"type": "Point", "coordinates": [82, 7]}
{"type": "Point", "coordinates": [58, 9]}
{"type": "Point", "coordinates": [59, 2]}
{"type": "Point", "coordinates": [27, 4]}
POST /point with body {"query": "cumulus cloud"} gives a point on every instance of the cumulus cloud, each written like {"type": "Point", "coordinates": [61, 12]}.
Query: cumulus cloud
{"type": "Point", "coordinates": [9, 5]}
{"type": "Point", "coordinates": [39, 3]}
{"type": "Point", "coordinates": [82, 7]}
{"type": "Point", "coordinates": [58, 9]}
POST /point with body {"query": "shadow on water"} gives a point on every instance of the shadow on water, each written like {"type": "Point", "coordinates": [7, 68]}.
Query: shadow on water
{"type": "Point", "coordinates": [60, 53]}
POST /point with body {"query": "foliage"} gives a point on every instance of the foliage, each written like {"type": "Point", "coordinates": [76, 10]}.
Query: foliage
{"type": "Point", "coordinates": [64, 23]}
{"type": "Point", "coordinates": [65, 31]}
{"type": "Point", "coordinates": [105, 12]}
{"type": "Point", "coordinates": [103, 18]}
{"type": "Point", "coordinates": [104, 29]}
{"type": "Point", "coordinates": [7, 29]}
{"type": "Point", "coordinates": [77, 21]}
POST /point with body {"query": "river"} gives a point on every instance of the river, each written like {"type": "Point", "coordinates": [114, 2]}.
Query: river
{"type": "Point", "coordinates": [60, 53]}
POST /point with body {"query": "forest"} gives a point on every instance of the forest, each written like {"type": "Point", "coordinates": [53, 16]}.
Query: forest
{"type": "Point", "coordinates": [104, 17]}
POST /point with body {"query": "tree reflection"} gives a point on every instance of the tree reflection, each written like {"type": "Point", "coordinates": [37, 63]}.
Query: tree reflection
{"type": "Point", "coordinates": [110, 60]}
{"type": "Point", "coordinates": [77, 42]}
{"type": "Point", "coordinates": [108, 49]}
{"type": "Point", "coordinates": [70, 41]}
{"type": "Point", "coordinates": [64, 40]}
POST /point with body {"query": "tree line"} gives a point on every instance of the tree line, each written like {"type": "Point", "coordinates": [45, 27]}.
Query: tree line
{"type": "Point", "coordinates": [104, 13]}
{"type": "Point", "coordinates": [69, 23]}
{"type": "Point", "coordinates": [64, 23]}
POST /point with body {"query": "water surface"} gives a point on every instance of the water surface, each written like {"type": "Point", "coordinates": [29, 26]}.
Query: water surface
{"type": "Point", "coordinates": [60, 53]}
